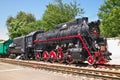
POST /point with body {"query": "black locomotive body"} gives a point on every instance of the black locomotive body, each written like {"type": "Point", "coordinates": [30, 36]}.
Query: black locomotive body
{"type": "Point", "coordinates": [71, 41]}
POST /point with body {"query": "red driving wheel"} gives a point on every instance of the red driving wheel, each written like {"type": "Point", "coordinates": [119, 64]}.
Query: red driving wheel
{"type": "Point", "coordinates": [52, 56]}
{"type": "Point", "coordinates": [60, 55]}
{"type": "Point", "coordinates": [45, 56]}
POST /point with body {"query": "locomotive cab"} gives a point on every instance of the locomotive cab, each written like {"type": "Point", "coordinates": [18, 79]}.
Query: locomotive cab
{"type": "Point", "coordinates": [29, 44]}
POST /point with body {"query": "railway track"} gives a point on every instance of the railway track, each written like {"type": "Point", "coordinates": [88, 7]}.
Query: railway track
{"type": "Point", "coordinates": [104, 74]}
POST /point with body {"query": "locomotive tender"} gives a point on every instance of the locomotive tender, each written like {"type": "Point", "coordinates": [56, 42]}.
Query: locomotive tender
{"type": "Point", "coordinates": [71, 41]}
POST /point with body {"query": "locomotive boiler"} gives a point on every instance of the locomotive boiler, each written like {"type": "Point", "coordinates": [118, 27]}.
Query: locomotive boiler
{"type": "Point", "coordinates": [73, 41]}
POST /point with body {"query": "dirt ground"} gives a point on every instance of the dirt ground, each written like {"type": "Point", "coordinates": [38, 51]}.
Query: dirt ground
{"type": "Point", "coordinates": [13, 72]}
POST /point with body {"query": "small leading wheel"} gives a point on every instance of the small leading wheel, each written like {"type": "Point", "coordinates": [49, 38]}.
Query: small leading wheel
{"type": "Point", "coordinates": [91, 60]}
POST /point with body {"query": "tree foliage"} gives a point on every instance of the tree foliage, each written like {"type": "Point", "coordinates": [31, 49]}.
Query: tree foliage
{"type": "Point", "coordinates": [109, 13]}
{"type": "Point", "coordinates": [55, 13]}
{"type": "Point", "coordinates": [22, 24]}
{"type": "Point", "coordinates": [60, 12]}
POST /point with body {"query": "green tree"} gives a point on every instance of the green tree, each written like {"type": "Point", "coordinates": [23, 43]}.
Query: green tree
{"type": "Point", "coordinates": [60, 12]}
{"type": "Point", "coordinates": [109, 13]}
{"type": "Point", "coordinates": [21, 24]}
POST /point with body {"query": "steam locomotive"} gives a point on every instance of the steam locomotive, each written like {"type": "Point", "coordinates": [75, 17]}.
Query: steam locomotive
{"type": "Point", "coordinates": [74, 41]}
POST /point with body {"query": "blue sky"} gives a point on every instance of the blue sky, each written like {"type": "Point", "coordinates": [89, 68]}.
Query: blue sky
{"type": "Point", "coordinates": [37, 8]}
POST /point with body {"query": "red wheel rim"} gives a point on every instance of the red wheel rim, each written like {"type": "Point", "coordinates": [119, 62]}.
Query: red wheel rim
{"type": "Point", "coordinates": [38, 57]}
{"type": "Point", "coordinates": [52, 56]}
{"type": "Point", "coordinates": [90, 60]}
{"type": "Point", "coordinates": [60, 58]}
{"type": "Point", "coordinates": [45, 56]}
{"type": "Point", "coordinates": [60, 55]}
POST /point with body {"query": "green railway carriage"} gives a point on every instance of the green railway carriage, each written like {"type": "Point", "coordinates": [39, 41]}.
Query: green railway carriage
{"type": "Point", "coordinates": [4, 45]}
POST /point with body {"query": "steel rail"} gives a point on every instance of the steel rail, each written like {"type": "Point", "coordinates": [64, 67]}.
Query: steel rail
{"type": "Point", "coordinates": [104, 74]}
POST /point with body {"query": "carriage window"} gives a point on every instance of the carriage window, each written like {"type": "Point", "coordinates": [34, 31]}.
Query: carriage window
{"type": "Point", "coordinates": [29, 39]}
